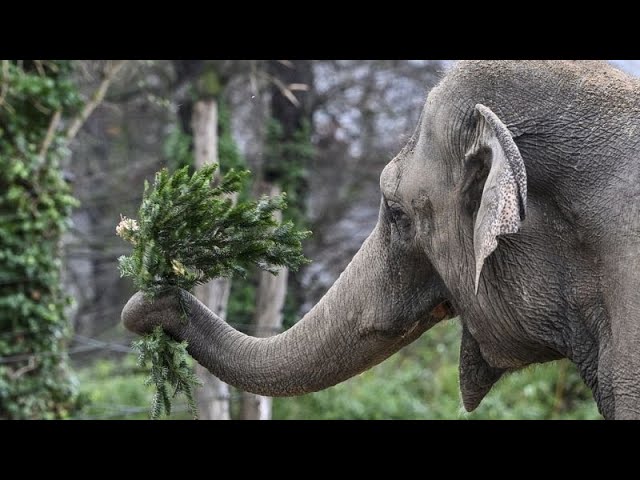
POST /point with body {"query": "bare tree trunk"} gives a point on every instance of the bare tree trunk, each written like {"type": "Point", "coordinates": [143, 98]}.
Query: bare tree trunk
{"type": "Point", "coordinates": [267, 321]}
{"type": "Point", "coordinates": [213, 397]}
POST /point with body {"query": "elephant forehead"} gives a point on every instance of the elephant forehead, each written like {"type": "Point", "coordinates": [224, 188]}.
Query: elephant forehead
{"type": "Point", "coordinates": [390, 178]}
{"type": "Point", "coordinates": [400, 180]}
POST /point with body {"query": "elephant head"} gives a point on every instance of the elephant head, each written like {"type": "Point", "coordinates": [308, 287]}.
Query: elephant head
{"type": "Point", "coordinates": [480, 216]}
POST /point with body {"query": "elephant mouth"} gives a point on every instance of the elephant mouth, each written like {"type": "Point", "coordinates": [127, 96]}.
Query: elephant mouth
{"type": "Point", "coordinates": [443, 311]}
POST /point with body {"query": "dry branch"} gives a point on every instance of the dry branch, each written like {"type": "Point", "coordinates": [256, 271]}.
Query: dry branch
{"type": "Point", "coordinates": [95, 100]}
{"type": "Point", "coordinates": [48, 138]}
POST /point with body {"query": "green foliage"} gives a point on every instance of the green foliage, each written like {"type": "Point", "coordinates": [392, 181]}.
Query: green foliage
{"type": "Point", "coordinates": [228, 152]}
{"type": "Point", "coordinates": [114, 388]}
{"type": "Point", "coordinates": [242, 300]}
{"type": "Point", "coordinates": [178, 152]}
{"type": "Point", "coordinates": [169, 365]}
{"type": "Point", "coordinates": [190, 232]}
{"type": "Point", "coordinates": [421, 382]}
{"type": "Point", "coordinates": [286, 161]}
{"type": "Point", "coordinates": [35, 206]}
{"type": "Point", "coordinates": [287, 157]}
{"type": "Point", "coordinates": [177, 149]}
{"type": "Point", "coordinates": [207, 84]}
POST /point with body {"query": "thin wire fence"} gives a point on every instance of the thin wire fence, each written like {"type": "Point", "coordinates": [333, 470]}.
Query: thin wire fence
{"type": "Point", "coordinates": [84, 345]}
{"type": "Point", "coordinates": [89, 344]}
{"type": "Point", "coordinates": [112, 411]}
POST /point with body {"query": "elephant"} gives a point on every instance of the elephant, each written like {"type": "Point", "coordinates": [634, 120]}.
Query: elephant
{"type": "Point", "coordinates": [514, 208]}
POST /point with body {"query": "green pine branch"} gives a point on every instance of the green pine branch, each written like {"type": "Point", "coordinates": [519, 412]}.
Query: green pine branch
{"type": "Point", "coordinates": [188, 232]}
{"type": "Point", "coordinates": [169, 366]}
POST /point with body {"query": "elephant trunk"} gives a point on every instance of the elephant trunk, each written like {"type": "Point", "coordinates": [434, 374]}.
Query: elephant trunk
{"type": "Point", "coordinates": [359, 322]}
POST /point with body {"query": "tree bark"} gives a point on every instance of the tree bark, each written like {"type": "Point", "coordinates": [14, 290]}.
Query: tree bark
{"type": "Point", "coordinates": [213, 397]}
{"type": "Point", "coordinates": [267, 321]}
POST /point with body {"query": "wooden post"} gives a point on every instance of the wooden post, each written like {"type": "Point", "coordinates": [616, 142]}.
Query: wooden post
{"type": "Point", "coordinates": [267, 321]}
{"type": "Point", "coordinates": [213, 397]}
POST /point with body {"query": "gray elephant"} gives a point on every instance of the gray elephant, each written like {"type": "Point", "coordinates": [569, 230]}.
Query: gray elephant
{"type": "Point", "coordinates": [515, 205]}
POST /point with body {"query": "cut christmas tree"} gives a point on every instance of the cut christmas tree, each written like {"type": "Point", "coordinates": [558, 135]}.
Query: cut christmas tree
{"type": "Point", "coordinates": [189, 231]}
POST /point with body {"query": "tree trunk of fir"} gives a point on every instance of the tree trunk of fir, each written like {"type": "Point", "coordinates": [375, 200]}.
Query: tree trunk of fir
{"type": "Point", "coordinates": [267, 320]}
{"type": "Point", "coordinates": [213, 397]}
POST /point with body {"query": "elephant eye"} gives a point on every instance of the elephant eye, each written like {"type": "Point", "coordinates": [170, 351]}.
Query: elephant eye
{"type": "Point", "coordinates": [398, 216]}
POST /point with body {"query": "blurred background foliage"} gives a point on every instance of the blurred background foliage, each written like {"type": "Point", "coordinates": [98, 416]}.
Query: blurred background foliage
{"type": "Point", "coordinates": [35, 206]}
{"type": "Point", "coordinates": [320, 130]}
{"type": "Point", "coordinates": [419, 382]}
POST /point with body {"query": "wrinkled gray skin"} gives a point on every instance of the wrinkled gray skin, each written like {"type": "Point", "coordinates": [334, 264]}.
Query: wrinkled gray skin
{"type": "Point", "coordinates": [521, 181]}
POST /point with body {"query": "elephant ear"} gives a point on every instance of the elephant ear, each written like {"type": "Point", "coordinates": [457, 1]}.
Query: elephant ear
{"type": "Point", "coordinates": [504, 197]}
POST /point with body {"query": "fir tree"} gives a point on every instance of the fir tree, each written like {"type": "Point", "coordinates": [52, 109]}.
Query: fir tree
{"type": "Point", "coordinates": [188, 232]}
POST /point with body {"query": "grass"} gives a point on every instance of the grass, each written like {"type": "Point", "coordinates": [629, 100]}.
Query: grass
{"type": "Point", "coordinates": [419, 382]}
